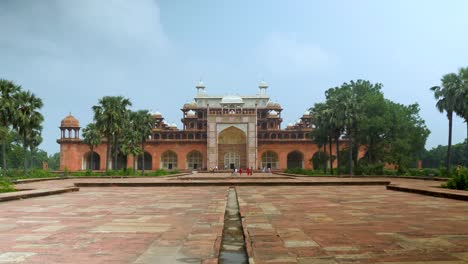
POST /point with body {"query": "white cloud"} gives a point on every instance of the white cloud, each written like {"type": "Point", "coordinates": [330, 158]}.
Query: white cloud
{"type": "Point", "coordinates": [70, 53]}
{"type": "Point", "coordinates": [285, 54]}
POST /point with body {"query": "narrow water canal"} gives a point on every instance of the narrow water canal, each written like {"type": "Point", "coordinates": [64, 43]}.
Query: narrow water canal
{"type": "Point", "coordinates": [233, 244]}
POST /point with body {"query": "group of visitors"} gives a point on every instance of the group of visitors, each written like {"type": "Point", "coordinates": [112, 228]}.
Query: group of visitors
{"type": "Point", "coordinates": [249, 171]}
{"type": "Point", "coordinates": [213, 169]}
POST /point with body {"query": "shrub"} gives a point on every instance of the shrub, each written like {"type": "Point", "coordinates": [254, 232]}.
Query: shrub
{"type": "Point", "coordinates": [5, 186]}
{"type": "Point", "coordinates": [302, 171]}
{"type": "Point", "coordinates": [459, 181]}
{"type": "Point", "coordinates": [162, 172]}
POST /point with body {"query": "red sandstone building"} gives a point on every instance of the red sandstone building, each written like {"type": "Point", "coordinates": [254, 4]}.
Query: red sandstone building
{"type": "Point", "coordinates": [221, 132]}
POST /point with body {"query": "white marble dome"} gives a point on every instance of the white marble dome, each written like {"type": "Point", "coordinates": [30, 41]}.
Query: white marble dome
{"type": "Point", "coordinates": [191, 113]}
{"type": "Point", "coordinates": [273, 113]}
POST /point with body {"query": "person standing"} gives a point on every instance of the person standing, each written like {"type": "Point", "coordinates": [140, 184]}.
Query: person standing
{"type": "Point", "coordinates": [248, 171]}
{"type": "Point", "coordinates": [240, 172]}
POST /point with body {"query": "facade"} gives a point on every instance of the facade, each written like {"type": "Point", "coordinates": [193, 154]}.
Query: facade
{"type": "Point", "coordinates": [221, 132]}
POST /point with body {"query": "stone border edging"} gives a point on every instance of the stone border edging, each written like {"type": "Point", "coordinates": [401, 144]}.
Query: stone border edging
{"type": "Point", "coordinates": [434, 193]}
{"type": "Point", "coordinates": [35, 193]}
{"type": "Point", "coordinates": [22, 181]}
{"type": "Point", "coordinates": [227, 183]}
{"type": "Point", "coordinates": [365, 176]}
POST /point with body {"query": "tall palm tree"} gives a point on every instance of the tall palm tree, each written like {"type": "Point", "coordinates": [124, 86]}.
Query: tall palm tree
{"type": "Point", "coordinates": [447, 101]}
{"type": "Point", "coordinates": [7, 111]}
{"type": "Point", "coordinates": [143, 124]}
{"type": "Point", "coordinates": [462, 102]}
{"type": "Point", "coordinates": [109, 116]}
{"type": "Point", "coordinates": [321, 133]}
{"type": "Point", "coordinates": [34, 140]}
{"type": "Point", "coordinates": [130, 144]}
{"type": "Point", "coordinates": [28, 117]}
{"type": "Point", "coordinates": [336, 119]}
{"type": "Point", "coordinates": [92, 137]}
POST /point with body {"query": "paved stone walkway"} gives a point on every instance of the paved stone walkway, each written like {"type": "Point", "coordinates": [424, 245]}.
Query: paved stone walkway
{"type": "Point", "coordinates": [294, 224]}
{"type": "Point", "coordinates": [114, 225]}
{"type": "Point", "coordinates": [355, 224]}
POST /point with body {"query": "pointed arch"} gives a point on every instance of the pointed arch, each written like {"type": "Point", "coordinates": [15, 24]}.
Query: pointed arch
{"type": "Point", "coordinates": [169, 160]}
{"type": "Point", "coordinates": [194, 160]}
{"type": "Point", "coordinates": [270, 160]}
{"type": "Point", "coordinates": [148, 161]}
{"type": "Point", "coordinates": [295, 159]}
{"type": "Point", "coordinates": [86, 164]}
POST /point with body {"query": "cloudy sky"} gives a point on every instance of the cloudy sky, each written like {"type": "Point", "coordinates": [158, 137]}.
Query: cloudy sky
{"type": "Point", "coordinates": [72, 52]}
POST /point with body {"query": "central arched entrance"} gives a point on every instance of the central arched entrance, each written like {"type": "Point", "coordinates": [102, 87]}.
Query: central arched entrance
{"type": "Point", "coordinates": [232, 148]}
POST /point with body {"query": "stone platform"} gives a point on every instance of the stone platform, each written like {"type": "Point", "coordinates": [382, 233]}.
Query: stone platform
{"type": "Point", "coordinates": [311, 223]}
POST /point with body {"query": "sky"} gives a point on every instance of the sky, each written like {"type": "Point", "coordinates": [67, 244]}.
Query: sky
{"type": "Point", "coordinates": [70, 53]}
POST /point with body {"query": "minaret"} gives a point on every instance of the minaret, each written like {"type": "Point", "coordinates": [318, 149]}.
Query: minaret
{"type": "Point", "coordinates": [200, 88]}
{"type": "Point", "coordinates": [263, 86]}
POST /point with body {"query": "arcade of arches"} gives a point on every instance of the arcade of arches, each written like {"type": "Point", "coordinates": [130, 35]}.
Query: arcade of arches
{"type": "Point", "coordinates": [228, 131]}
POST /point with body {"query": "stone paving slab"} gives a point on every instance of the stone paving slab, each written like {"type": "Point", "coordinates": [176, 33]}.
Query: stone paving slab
{"type": "Point", "coordinates": [354, 224]}
{"type": "Point", "coordinates": [115, 225]}
{"type": "Point", "coordinates": [35, 193]}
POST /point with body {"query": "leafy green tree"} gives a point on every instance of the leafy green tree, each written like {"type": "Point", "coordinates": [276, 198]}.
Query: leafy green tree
{"type": "Point", "coordinates": [406, 136]}
{"type": "Point", "coordinates": [110, 115]}
{"type": "Point", "coordinates": [54, 161]}
{"type": "Point", "coordinates": [446, 96]}
{"type": "Point", "coordinates": [92, 137]}
{"type": "Point", "coordinates": [28, 118]}
{"type": "Point", "coordinates": [7, 111]}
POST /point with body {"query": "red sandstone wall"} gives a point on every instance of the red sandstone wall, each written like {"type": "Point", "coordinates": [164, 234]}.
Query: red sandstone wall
{"type": "Point", "coordinates": [72, 153]}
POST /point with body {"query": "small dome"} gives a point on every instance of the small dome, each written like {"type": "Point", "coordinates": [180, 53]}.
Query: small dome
{"type": "Point", "coordinates": [200, 85]}
{"type": "Point", "coordinates": [263, 85]}
{"type": "Point", "coordinates": [273, 105]}
{"type": "Point", "coordinates": [273, 113]}
{"type": "Point", "coordinates": [191, 113]}
{"type": "Point", "coordinates": [190, 105]}
{"type": "Point", "coordinates": [306, 113]}
{"type": "Point", "coordinates": [232, 99]}
{"type": "Point", "coordinates": [173, 125]}
{"type": "Point", "coordinates": [290, 124]}
{"type": "Point", "coordinates": [70, 121]}
{"type": "Point", "coordinates": [298, 121]}
{"type": "Point", "coordinates": [156, 114]}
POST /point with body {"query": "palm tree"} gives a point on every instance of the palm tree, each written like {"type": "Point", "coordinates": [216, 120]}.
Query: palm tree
{"type": "Point", "coordinates": [7, 111]}
{"type": "Point", "coordinates": [143, 124]}
{"type": "Point", "coordinates": [109, 116]}
{"type": "Point", "coordinates": [130, 144]}
{"type": "Point", "coordinates": [447, 101]}
{"type": "Point", "coordinates": [91, 137]}
{"type": "Point", "coordinates": [336, 119]}
{"type": "Point", "coordinates": [34, 140]}
{"type": "Point", "coordinates": [28, 117]}
{"type": "Point", "coordinates": [321, 133]}
{"type": "Point", "coordinates": [462, 101]}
